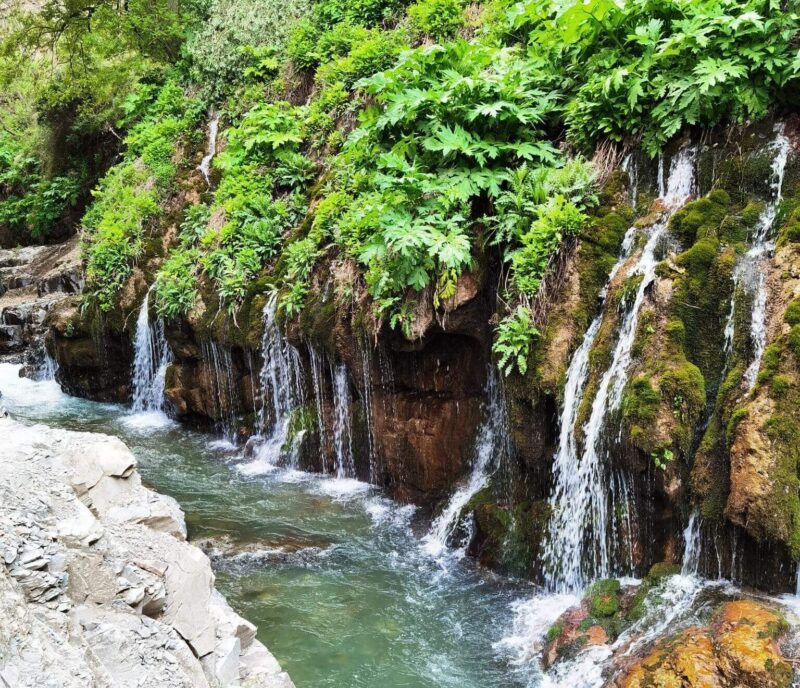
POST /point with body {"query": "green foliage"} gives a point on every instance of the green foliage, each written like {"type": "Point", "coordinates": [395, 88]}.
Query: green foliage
{"type": "Point", "coordinates": [439, 19]}
{"type": "Point", "coordinates": [515, 334]}
{"type": "Point", "coordinates": [228, 48]}
{"type": "Point", "coordinates": [649, 68]}
{"type": "Point", "coordinates": [30, 202]}
{"type": "Point", "coordinates": [176, 283]}
{"type": "Point", "coordinates": [662, 458]}
{"type": "Point", "coordinates": [127, 198]}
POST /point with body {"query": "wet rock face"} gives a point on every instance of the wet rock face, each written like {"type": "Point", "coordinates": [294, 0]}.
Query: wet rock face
{"type": "Point", "coordinates": [425, 391]}
{"type": "Point", "coordinates": [92, 363]}
{"type": "Point", "coordinates": [210, 385]}
{"type": "Point", "coordinates": [738, 648]}
{"type": "Point", "coordinates": [33, 281]}
{"type": "Point", "coordinates": [424, 424]}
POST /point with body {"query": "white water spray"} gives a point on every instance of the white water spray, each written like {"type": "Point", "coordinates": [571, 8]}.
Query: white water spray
{"type": "Point", "coordinates": [151, 358]}
{"type": "Point", "coordinates": [577, 548]}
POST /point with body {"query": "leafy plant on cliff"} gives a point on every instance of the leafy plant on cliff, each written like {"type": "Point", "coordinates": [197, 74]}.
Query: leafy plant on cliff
{"type": "Point", "coordinates": [649, 68]}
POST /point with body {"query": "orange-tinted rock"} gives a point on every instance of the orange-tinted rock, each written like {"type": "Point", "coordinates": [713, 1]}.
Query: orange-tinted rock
{"type": "Point", "coordinates": [737, 650]}
{"type": "Point", "coordinates": [747, 652]}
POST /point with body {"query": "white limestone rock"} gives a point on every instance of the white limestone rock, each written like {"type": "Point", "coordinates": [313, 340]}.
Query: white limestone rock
{"type": "Point", "coordinates": [98, 586]}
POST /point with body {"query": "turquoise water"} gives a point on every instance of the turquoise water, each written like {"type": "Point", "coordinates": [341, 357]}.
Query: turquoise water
{"type": "Point", "coordinates": [331, 571]}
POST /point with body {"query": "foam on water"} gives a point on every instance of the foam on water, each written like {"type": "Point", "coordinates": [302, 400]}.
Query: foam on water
{"type": "Point", "coordinates": [343, 488]}
{"type": "Point", "coordinates": [147, 420]}
{"type": "Point", "coordinates": [532, 618]}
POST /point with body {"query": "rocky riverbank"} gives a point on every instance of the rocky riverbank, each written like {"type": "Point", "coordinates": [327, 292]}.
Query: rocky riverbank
{"type": "Point", "coordinates": [98, 585]}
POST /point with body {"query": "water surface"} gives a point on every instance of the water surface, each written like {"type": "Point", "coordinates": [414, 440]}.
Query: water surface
{"type": "Point", "coordinates": [331, 571]}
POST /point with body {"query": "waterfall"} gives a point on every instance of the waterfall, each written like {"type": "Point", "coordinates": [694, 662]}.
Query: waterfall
{"type": "Point", "coordinates": [211, 150]}
{"type": "Point", "coordinates": [48, 368]}
{"type": "Point", "coordinates": [490, 447]}
{"type": "Point", "coordinates": [577, 548]}
{"type": "Point", "coordinates": [691, 551]}
{"type": "Point", "coordinates": [752, 269]}
{"type": "Point", "coordinates": [342, 430]}
{"type": "Point", "coordinates": [281, 388]}
{"type": "Point", "coordinates": [150, 361]}
{"type": "Point", "coordinates": [631, 168]}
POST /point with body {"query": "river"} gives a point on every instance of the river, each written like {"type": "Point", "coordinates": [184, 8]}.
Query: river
{"type": "Point", "coordinates": [331, 571]}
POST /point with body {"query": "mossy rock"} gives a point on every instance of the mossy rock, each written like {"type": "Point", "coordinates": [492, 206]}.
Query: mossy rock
{"type": "Point", "coordinates": [701, 218]}
{"type": "Point", "coordinates": [604, 598]}
{"type": "Point", "coordinates": [660, 571]}
{"type": "Point", "coordinates": [792, 315]}
{"type": "Point", "coordinates": [790, 229]}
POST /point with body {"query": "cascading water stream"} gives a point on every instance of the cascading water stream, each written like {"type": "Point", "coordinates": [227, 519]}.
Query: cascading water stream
{"type": "Point", "coordinates": [151, 359]}
{"type": "Point", "coordinates": [490, 447]}
{"type": "Point", "coordinates": [577, 548]}
{"type": "Point", "coordinates": [281, 388]}
{"type": "Point", "coordinates": [220, 367]}
{"type": "Point", "coordinates": [342, 430]}
{"type": "Point", "coordinates": [691, 545]}
{"type": "Point", "coordinates": [750, 272]}
{"type": "Point", "coordinates": [211, 150]}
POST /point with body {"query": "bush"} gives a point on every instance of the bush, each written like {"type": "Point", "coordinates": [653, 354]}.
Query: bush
{"type": "Point", "coordinates": [218, 51]}
{"type": "Point", "coordinates": [439, 19]}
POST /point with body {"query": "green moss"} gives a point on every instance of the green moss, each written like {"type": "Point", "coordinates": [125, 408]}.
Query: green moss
{"type": "Point", "coordinates": [554, 631]}
{"type": "Point", "coordinates": [781, 521]}
{"type": "Point", "coordinates": [780, 386]}
{"type": "Point", "coordinates": [604, 598]}
{"type": "Point", "coordinates": [701, 218]}
{"type": "Point", "coordinates": [790, 230]}
{"type": "Point", "coordinates": [794, 340]}
{"type": "Point", "coordinates": [683, 389]}
{"type": "Point", "coordinates": [676, 332]}
{"type": "Point", "coordinates": [792, 315]}
{"type": "Point", "coordinates": [640, 406]}
{"type": "Point", "coordinates": [770, 362]}
{"type": "Point", "coordinates": [733, 422]}
{"type": "Point", "coordinates": [661, 570]}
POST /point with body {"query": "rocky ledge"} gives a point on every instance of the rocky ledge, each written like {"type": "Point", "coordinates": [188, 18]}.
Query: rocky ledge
{"type": "Point", "coordinates": [98, 585]}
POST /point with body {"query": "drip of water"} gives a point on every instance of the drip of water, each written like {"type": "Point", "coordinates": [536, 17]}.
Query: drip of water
{"type": "Point", "coordinates": [490, 447]}
{"type": "Point", "coordinates": [220, 365]}
{"type": "Point", "coordinates": [629, 165]}
{"type": "Point", "coordinates": [342, 430]}
{"type": "Point", "coordinates": [580, 498]}
{"type": "Point", "coordinates": [151, 358]}
{"type": "Point", "coordinates": [752, 268]}
{"type": "Point", "coordinates": [281, 389]}
{"type": "Point", "coordinates": [691, 549]}
{"type": "Point", "coordinates": [317, 377]}
{"type": "Point", "coordinates": [366, 373]}
{"type": "Point", "coordinates": [211, 150]}
{"type": "Point", "coordinates": [797, 581]}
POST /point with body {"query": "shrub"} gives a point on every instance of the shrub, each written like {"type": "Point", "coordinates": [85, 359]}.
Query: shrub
{"type": "Point", "coordinates": [439, 19]}
{"type": "Point", "coordinates": [217, 51]}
